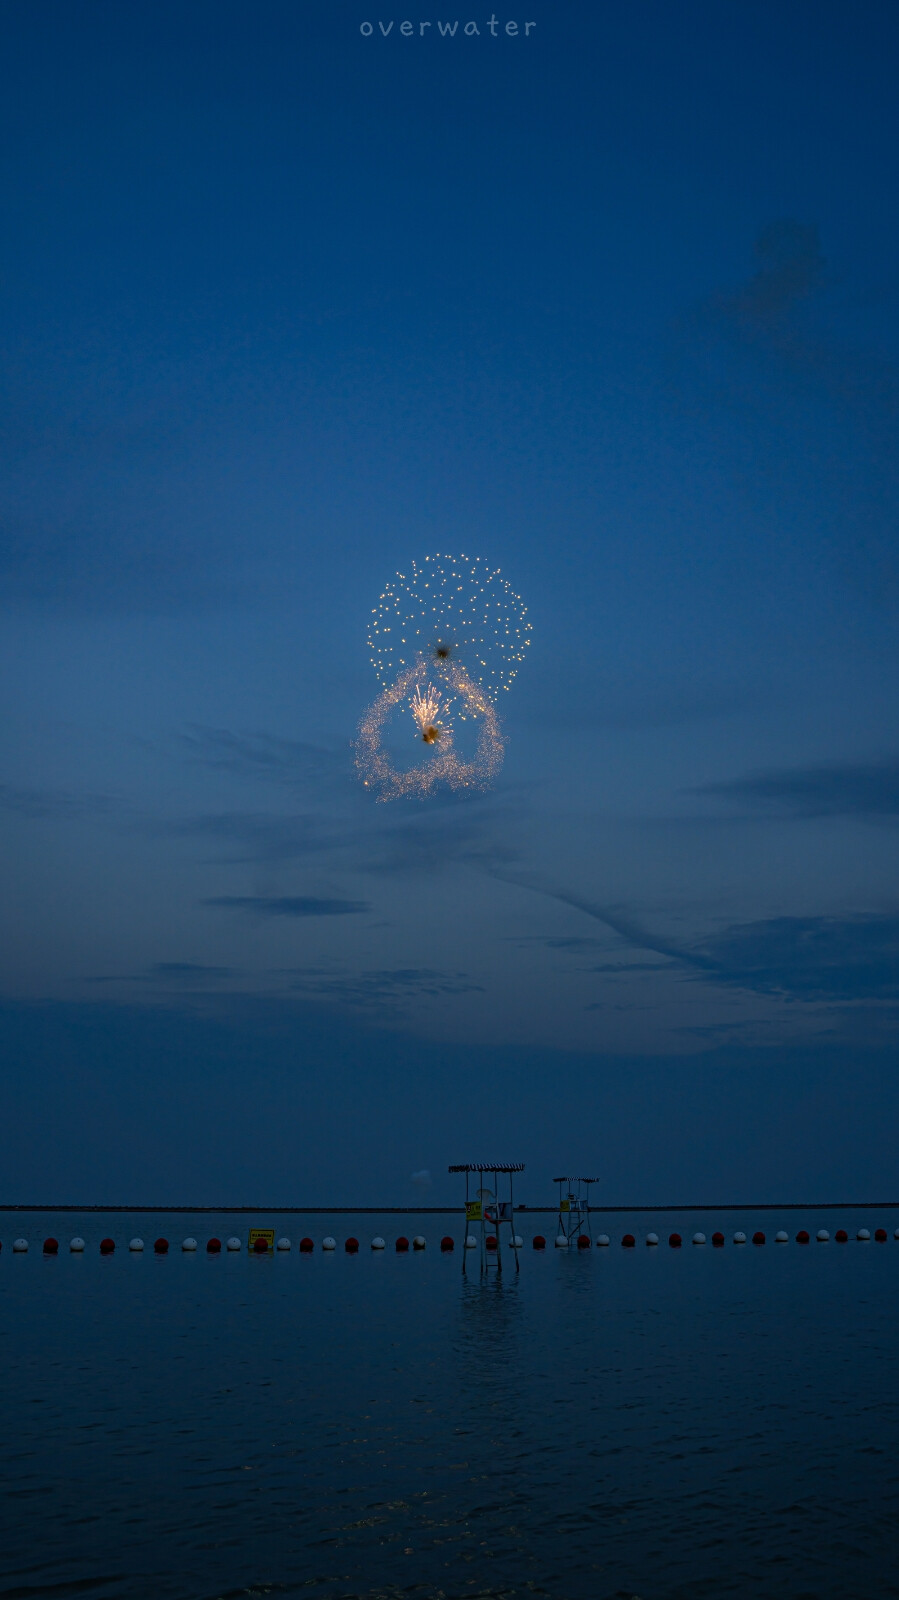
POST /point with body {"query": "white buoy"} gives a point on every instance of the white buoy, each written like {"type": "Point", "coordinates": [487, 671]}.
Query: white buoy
{"type": "Point", "coordinates": [896, 1233]}
{"type": "Point", "coordinates": [136, 1244]}
{"type": "Point", "coordinates": [378, 1243]}
{"type": "Point", "coordinates": [418, 1243]}
{"type": "Point", "coordinates": [232, 1244]}
{"type": "Point", "coordinates": [516, 1241]}
{"type": "Point", "coordinates": [283, 1244]}
{"type": "Point", "coordinates": [603, 1239]}
{"type": "Point", "coordinates": [739, 1238]}
{"type": "Point", "coordinates": [77, 1245]}
{"type": "Point", "coordinates": [328, 1243]}
{"type": "Point", "coordinates": [699, 1238]}
{"type": "Point", "coordinates": [561, 1242]}
{"type": "Point", "coordinates": [822, 1236]}
{"type": "Point", "coordinates": [188, 1244]}
{"type": "Point", "coordinates": [863, 1234]}
{"type": "Point", "coordinates": [20, 1246]}
{"type": "Point", "coordinates": [781, 1238]}
{"type": "Point", "coordinates": [471, 1242]}
{"type": "Point", "coordinates": [652, 1238]}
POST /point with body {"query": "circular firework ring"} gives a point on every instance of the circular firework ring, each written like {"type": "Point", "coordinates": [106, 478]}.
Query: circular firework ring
{"type": "Point", "coordinates": [459, 611]}
{"type": "Point", "coordinates": [443, 766]}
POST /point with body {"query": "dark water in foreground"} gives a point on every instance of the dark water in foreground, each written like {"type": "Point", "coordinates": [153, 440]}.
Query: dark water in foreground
{"type": "Point", "coordinates": [620, 1423]}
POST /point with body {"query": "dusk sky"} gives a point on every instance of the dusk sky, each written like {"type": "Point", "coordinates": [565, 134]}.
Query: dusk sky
{"type": "Point", "coordinates": [612, 304]}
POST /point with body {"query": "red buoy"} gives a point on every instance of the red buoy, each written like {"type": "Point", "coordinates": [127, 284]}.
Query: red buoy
{"type": "Point", "coordinates": [583, 1243]}
{"type": "Point", "coordinates": [161, 1247]}
{"type": "Point", "coordinates": [107, 1246]}
{"type": "Point", "coordinates": [841, 1236]}
{"type": "Point", "coordinates": [675, 1241]}
{"type": "Point", "coordinates": [402, 1243]}
{"type": "Point", "coordinates": [51, 1247]}
{"type": "Point", "coordinates": [802, 1236]}
{"type": "Point", "coordinates": [351, 1246]}
{"type": "Point", "coordinates": [306, 1247]}
{"type": "Point", "coordinates": [717, 1240]}
{"type": "Point", "coordinates": [260, 1247]}
{"type": "Point", "coordinates": [758, 1237]}
{"type": "Point", "coordinates": [213, 1246]}
{"type": "Point", "coordinates": [628, 1241]}
{"type": "Point", "coordinates": [880, 1235]}
{"type": "Point", "coordinates": [491, 1241]}
{"type": "Point", "coordinates": [446, 1243]}
{"type": "Point", "coordinates": [539, 1242]}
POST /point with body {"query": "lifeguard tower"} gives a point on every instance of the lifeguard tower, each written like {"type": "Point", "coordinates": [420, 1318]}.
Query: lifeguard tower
{"type": "Point", "coordinates": [574, 1209]}
{"type": "Point", "coordinates": [488, 1211]}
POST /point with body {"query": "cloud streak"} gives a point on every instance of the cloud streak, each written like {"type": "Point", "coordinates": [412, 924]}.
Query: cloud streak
{"type": "Point", "coordinates": [810, 958]}
{"type": "Point", "coordinates": [287, 905]}
{"type": "Point", "coordinates": [615, 919]}
{"type": "Point", "coordinates": [385, 989]}
{"type": "Point", "coordinates": [838, 789]}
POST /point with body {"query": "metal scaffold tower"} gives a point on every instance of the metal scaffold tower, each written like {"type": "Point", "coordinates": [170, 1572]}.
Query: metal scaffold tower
{"type": "Point", "coordinates": [486, 1214]}
{"type": "Point", "coordinates": [574, 1208]}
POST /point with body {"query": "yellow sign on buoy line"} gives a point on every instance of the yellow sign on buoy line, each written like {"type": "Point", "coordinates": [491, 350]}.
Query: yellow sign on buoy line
{"type": "Point", "coordinates": [259, 1237]}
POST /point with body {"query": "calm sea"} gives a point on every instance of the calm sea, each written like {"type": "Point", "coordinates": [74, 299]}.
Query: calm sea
{"type": "Point", "coordinates": [654, 1423]}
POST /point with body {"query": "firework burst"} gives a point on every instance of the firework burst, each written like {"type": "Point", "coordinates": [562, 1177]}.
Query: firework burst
{"type": "Point", "coordinates": [456, 610]}
{"type": "Point", "coordinates": [443, 765]}
{"type": "Point", "coordinates": [450, 636]}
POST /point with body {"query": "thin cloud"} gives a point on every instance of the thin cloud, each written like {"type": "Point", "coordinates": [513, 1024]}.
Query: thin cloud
{"type": "Point", "coordinates": [261, 835]}
{"type": "Point", "coordinates": [807, 959]}
{"type": "Point", "coordinates": [288, 905]}
{"type": "Point", "coordinates": [615, 918]}
{"type": "Point", "coordinates": [55, 804]}
{"type": "Point", "coordinates": [385, 989]}
{"type": "Point", "coordinates": [180, 973]}
{"type": "Point", "coordinates": [838, 789]}
{"type": "Point", "coordinates": [289, 763]}
{"type": "Point", "coordinates": [810, 958]}
{"type": "Point", "coordinates": [790, 267]}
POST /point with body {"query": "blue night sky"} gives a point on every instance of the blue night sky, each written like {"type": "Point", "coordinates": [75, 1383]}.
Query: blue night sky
{"type": "Point", "coordinates": [613, 305]}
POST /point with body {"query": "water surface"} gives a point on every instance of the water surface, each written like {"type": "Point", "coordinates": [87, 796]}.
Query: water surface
{"type": "Point", "coordinates": [653, 1423]}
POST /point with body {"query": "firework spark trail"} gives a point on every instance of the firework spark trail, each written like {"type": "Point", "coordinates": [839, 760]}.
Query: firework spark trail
{"type": "Point", "coordinates": [376, 768]}
{"type": "Point", "coordinates": [426, 711]}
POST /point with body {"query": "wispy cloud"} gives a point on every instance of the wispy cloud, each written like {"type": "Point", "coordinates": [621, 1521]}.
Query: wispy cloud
{"type": "Point", "coordinates": [181, 974]}
{"type": "Point", "coordinates": [288, 763]}
{"type": "Point", "coordinates": [817, 958]}
{"type": "Point", "coordinates": [848, 789]}
{"type": "Point", "coordinates": [768, 314]}
{"type": "Point", "coordinates": [260, 835]}
{"type": "Point", "coordinates": [189, 971]}
{"type": "Point", "coordinates": [613, 917]}
{"type": "Point", "coordinates": [790, 266]}
{"type": "Point", "coordinates": [810, 958]}
{"type": "Point", "coordinates": [786, 350]}
{"type": "Point", "coordinates": [54, 804]}
{"type": "Point", "coordinates": [385, 989]}
{"type": "Point", "coordinates": [287, 905]}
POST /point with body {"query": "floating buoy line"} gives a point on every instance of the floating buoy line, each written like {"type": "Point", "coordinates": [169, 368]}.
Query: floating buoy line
{"type": "Point", "coordinates": [106, 1246]}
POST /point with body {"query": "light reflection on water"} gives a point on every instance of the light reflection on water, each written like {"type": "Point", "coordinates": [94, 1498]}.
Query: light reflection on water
{"type": "Point", "coordinates": [604, 1424]}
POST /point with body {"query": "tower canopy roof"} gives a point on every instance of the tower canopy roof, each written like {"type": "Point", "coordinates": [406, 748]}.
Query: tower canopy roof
{"type": "Point", "coordinates": [488, 1166]}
